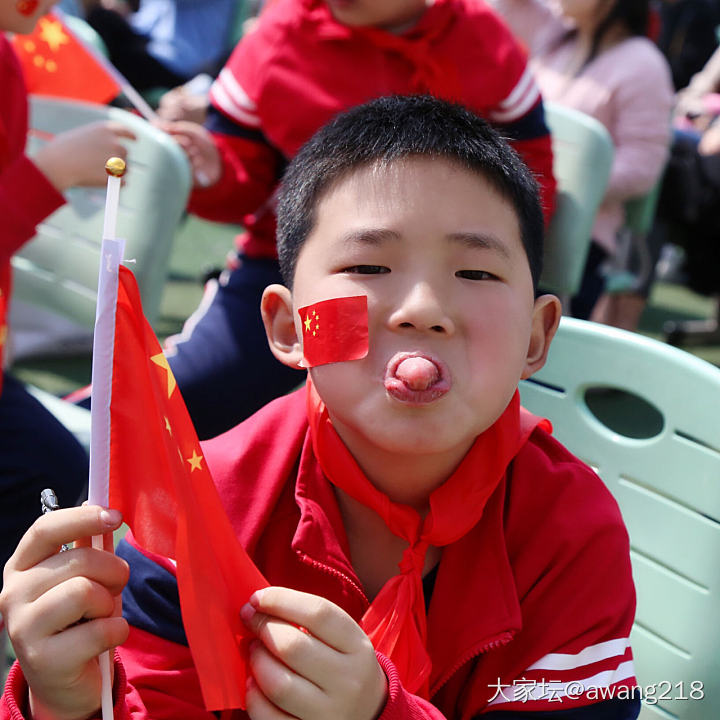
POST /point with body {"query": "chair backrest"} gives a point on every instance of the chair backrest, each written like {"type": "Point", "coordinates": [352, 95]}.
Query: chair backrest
{"type": "Point", "coordinates": [663, 467]}
{"type": "Point", "coordinates": [58, 269]}
{"type": "Point", "coordinates": [583, 154]}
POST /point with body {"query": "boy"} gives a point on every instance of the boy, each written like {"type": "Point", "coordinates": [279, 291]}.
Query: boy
{"type": "Point", "coordinates": [306, 61]}
{"type": "Point", "coordinates": [404, 498]}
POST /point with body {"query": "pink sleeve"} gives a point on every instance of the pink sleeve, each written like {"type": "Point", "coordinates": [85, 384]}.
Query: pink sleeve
{"type": "Point", "coordinates": [641, 125]}
{"type": "Point", "coordinates": [26, 198]}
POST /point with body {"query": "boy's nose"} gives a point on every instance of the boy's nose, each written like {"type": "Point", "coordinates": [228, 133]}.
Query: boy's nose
{"type": "Point", "coordinates": [421, 308]}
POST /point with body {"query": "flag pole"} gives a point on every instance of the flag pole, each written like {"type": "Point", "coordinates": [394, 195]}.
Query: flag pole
{"type": "Point", "coordinates": [111, 256]}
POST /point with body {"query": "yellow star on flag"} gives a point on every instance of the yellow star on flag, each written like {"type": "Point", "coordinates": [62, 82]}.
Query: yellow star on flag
{"type": "Point", "coordinates": [311, 318]}
{"type": "Point", "coordinates": [51, 32]}
{"type": "Point", "coordinates": [167, 426]}
{"type": "Point", "coordinates": [3, 334]}
{"type": "Point", "coordinates": [195, 461]}
{"type": "Point", "coordinates": [161, 360]}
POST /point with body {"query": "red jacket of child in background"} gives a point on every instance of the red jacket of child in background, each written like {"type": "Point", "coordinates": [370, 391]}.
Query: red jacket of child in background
{"type": "Point", "coordinates": [26, 195]}
{"type": "Point", "coordinates": [540, 590]}
{"type": "Point", "coordinates": [299, 67]}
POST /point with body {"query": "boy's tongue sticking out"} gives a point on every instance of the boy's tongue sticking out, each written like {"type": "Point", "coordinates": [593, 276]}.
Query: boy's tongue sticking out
{"type": "Point", "coordinates": [418, 373]}
{"type": "Point", "coordinates": [416, 378]}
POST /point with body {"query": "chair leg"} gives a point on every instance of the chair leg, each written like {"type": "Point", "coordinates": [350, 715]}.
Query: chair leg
{"type": "Point", "coordinates": [694, 332]}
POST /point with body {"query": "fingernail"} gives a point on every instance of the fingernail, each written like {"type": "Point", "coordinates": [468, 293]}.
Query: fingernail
{"type": "Point", "coordinates": [246, 612]}
{"type": "Point", "coordinates": [111, 518]}
{"type": "Point", "coordinates": [256, 597]}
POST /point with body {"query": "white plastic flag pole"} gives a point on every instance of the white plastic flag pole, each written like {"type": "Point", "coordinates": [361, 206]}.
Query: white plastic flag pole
{"type": "Point", "coordinates": [111, 256]}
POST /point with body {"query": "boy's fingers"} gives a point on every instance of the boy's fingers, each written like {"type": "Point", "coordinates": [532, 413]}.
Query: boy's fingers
{"type": "Point", "coordinates": [300, 651]}
{"type": "Point", "coordinates": [322, 618]}
{"type": "Point", "coordinates": [49, 532]}
{"type": "Point", "coordinates": [286, 690]}
{"type": "Point", "coordinates": [87, 640]}
{"type": "Point", "coordinates": [64, 605]}
{"type": "Point", "coordinates": [259, 707]}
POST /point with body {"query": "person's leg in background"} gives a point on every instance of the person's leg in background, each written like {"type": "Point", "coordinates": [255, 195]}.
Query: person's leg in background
{"type": "Point", "coordinates": [36, 452]}
{"type": "Point", "coordinates": [221, 359]}
{"type": "Point", "coordinates": [592, 284]}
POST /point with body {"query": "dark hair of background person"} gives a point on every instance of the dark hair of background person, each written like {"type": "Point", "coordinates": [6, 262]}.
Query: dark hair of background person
{"type": "Point", "coordinates": [634, 15]}
{"type": "Point", "coordinates": [393, 128]}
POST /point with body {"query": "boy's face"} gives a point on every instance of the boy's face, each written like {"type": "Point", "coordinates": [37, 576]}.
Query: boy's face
{"type": "Point", "coordinates": [453, 324]}
{"type": "Point", "coordinates": [389, 14]}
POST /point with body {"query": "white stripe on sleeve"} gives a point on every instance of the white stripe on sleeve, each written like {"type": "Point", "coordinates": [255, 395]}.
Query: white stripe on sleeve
{"type": "Point", "coordinates": [554, 691]}
{"type": "Point", "coordinates": [229, 95]}
{"type": "Point", "coordinates": [587, 656]}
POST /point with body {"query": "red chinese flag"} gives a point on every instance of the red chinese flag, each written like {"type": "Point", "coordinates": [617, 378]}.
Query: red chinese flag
{"type": "Point", "coordinates": [56, 63]}
{"type": "Point", "coordinates": [334, 330]}
{"type": "Point", "coordinates": [160, 482]}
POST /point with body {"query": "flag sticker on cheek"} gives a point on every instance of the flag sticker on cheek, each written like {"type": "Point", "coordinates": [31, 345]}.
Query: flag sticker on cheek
{"type": "Point", "coordinates": [334, 330]}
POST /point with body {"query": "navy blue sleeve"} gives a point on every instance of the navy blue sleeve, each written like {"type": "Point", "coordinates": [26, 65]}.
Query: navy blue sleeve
{"type": "Point", "coordinates": [150, 599]}
{"type": "Point", "coordinates": [216, 122]}
{"type": "Point", "coordinates": [606, 710]}
{"type": "Point", "coordinates": [528, 127]}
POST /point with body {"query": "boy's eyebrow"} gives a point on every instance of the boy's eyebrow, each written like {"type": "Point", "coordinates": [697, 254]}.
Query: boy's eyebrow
{"type": "Point", "coordinates": [370, 236]}
{"type": "Point", "coordinates": [472, 240]}
{"type": "Point", "coordinates": [482, 241]}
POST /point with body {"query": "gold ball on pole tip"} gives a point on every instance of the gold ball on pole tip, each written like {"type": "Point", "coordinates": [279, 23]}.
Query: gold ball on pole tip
{"type": "Point", "coordinates": [115, 166]}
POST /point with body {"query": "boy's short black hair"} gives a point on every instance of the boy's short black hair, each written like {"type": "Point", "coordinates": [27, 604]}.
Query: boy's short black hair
{"type": "Point", "coordinates": [392, 128]}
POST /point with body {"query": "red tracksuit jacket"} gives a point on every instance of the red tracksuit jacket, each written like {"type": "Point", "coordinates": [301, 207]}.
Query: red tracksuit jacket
{"type": "Point", "coordinates": [300, 67]}
{"type": "Point", "coordinates": [534, 601]}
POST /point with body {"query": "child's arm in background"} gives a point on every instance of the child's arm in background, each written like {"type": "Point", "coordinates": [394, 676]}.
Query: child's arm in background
{"type": "Point", "coordinates": [30, 188]}
{"type": "Point", "coordinates": [63, 609]}
{"type": "Point", "coordinates": [235, 169]}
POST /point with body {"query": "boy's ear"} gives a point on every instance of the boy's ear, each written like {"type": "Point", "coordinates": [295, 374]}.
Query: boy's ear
{"type": "Point", "coordinates": [277, 313]}
{"type": "Point", "coordinates": [545, 321]}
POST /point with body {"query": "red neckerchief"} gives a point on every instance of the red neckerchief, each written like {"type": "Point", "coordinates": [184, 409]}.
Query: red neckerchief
{"type": "Point", "coordinates": [396, 621]}
{"type": "Point", "coordinates": [415, 44]}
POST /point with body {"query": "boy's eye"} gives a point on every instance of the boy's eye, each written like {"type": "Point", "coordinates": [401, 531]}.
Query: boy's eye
{"type": "Point", "coordinates": [475, 275]}
{"type": "Point", "coordinates": [367, 269]}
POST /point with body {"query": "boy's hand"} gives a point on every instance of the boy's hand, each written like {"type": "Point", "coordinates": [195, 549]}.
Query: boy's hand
{"type": "Point", "coordinates": [78, 156]}
{"type": "Point", "coordinates": [325, 671]}
{"type": "Point", "coordinates": [197, 142]}
{"type": "Point", "coordinates": [63, 609]}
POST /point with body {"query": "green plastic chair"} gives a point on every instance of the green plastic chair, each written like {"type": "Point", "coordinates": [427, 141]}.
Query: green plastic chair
{"type": "Point", "coordinates": [583, 154]}
{"type": "Point", "coordinates": [58, 269]}
{"type": "Point", "coordinates": [661, 461]}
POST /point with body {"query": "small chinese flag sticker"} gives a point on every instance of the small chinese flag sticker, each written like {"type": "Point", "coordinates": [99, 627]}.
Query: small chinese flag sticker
{"type": "Point", "coordinates": [334, 330]}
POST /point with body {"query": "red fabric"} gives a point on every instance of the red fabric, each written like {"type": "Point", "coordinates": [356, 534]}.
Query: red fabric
{"type": "Point", "coordinates": [334, 330]}
{"type": "Point", "coordinates": [299, 68]}
{"type": "Point", "coordinates": [395, 621]}
{"type": "Point", "coordinates": [56, 63]}
{"type": "Point", "coordinates": [26, 195]}
{"type": "Point", "coordinates": [160, 481]}
{"type": "Point", "coordinates": [546, 570]}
